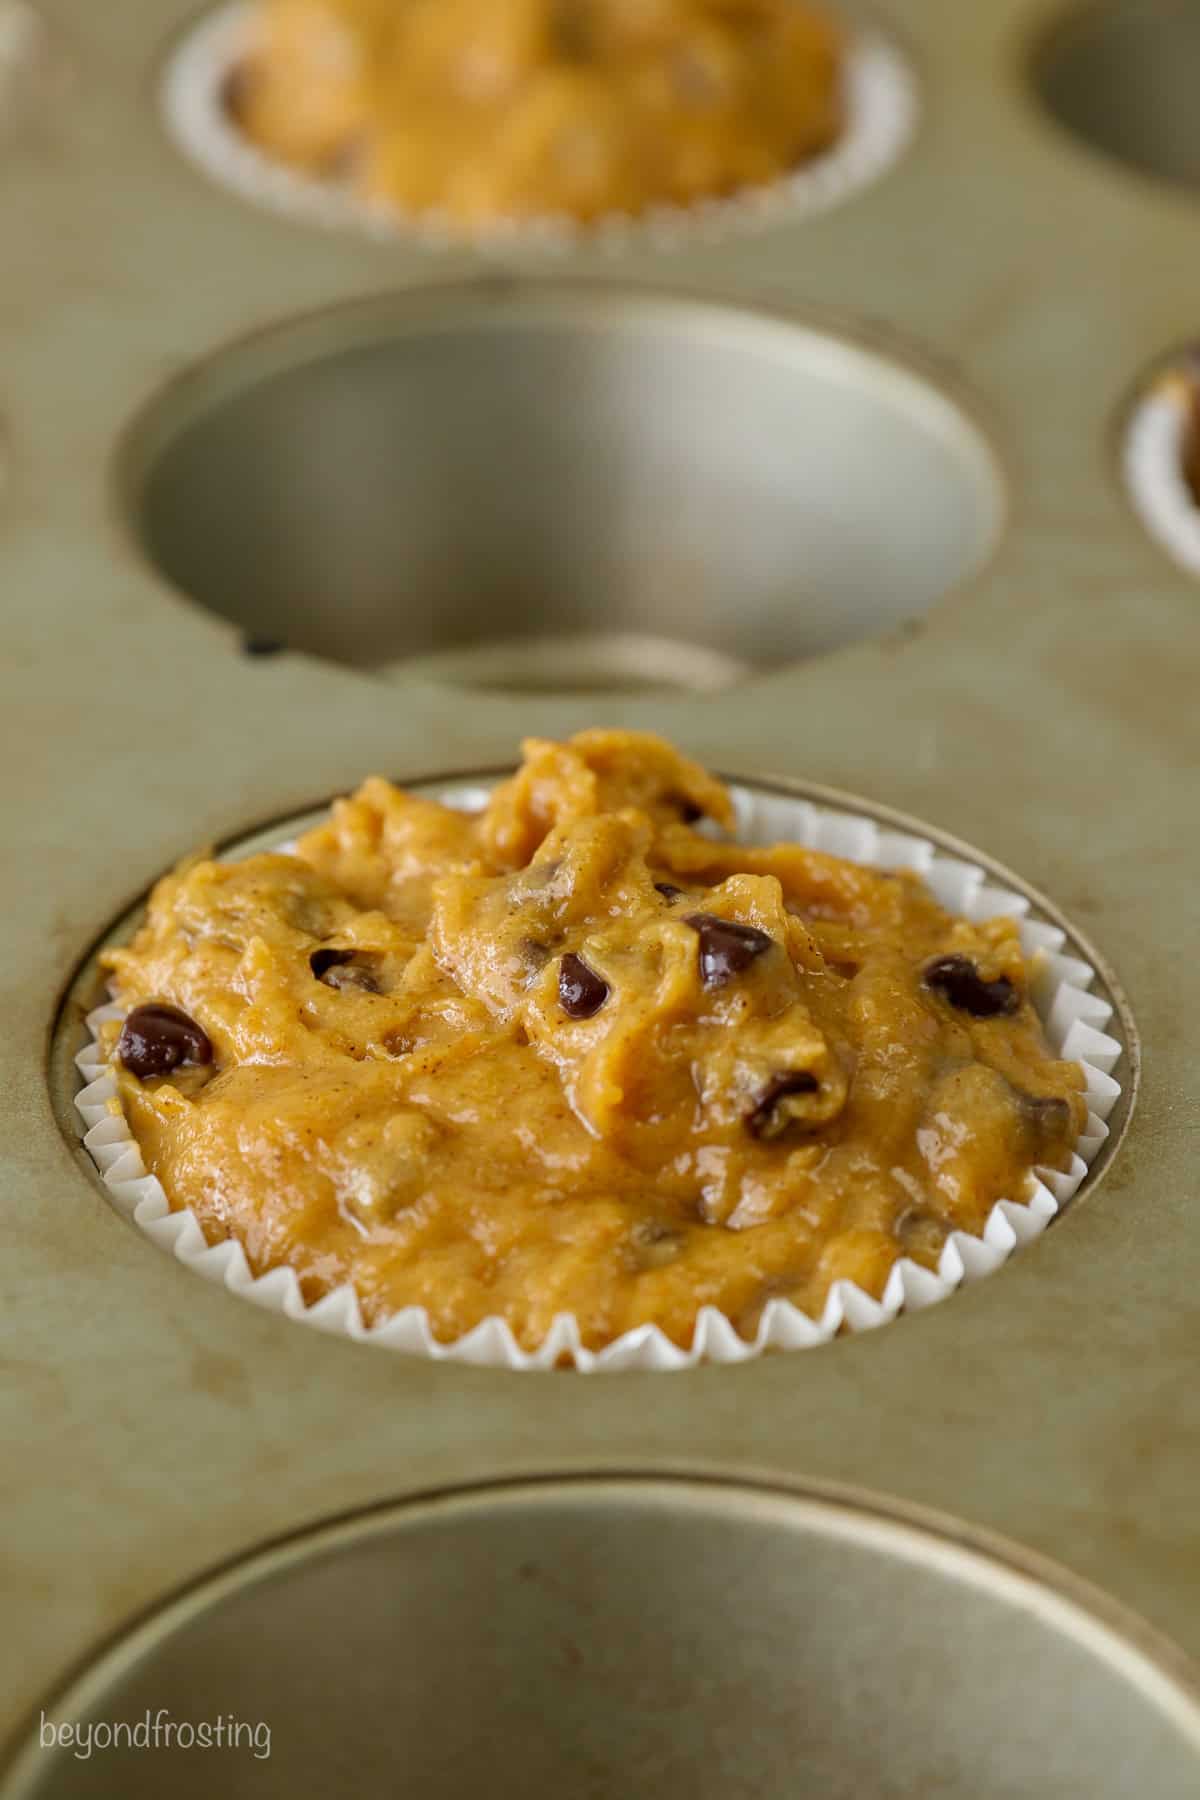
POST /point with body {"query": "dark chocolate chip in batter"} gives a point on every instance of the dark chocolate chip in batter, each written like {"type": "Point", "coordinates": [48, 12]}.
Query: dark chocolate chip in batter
{"type": "Point", "coordinates": [766, 1120]}
{"type": "Point", "coordinates": [156, 1039]}
{"type": "Point", "coordinates": [959, 982]}
{"type": "Point", "coordinates": [338, 969]}
{"type": "Point", "coordinates": [726, 948]}
{"type": "Point", "coordinates": [669, 891]}
{"type": "Point", "coordinates": [321, 961]}
{"type": "Point", "coordinates": [581, 992]}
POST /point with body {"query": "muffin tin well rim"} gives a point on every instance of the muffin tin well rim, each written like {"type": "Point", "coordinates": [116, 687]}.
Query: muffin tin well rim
{"type": "Point", "coordinates": [493, 301]}
{"type": "Point", "coordinates": [921, 1535]}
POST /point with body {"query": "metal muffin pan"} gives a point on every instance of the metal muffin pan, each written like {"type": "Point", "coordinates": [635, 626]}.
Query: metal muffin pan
{"type": "Point", "coordinates": [1121, 76]}
{"type": "Point", "coordinates": [1037, 701]}
{"type": "Point", "coordinates": [548, 463]}
{"type": "Point", "coordinates": [592, 1634]}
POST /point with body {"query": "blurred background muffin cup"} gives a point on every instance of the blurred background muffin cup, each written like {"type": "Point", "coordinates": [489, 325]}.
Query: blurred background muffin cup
{"type": "Point", "coordinates": [1076, 1022]}
{"type": "Point", "coordinates": [1162, 459]}
{"type": "Point", "coordinates": [206, 73]}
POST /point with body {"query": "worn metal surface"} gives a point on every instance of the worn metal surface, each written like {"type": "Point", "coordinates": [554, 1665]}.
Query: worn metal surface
{"type": "Point", "coordinates": [757, 1641]}
{"type": "Point", "coordinates": [1045, 712]}
{"type": "Point", "coordinates": [547, 459]}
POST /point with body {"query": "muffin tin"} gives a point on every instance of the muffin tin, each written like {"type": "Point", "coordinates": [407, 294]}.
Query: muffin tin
{"type": "Point", "coordinates": [893, 533]}
{"type": "Point", "coordinates": [939, 1666]}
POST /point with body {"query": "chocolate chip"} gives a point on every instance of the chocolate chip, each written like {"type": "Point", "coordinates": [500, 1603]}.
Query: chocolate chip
{"type": "Point", "coordinates": [321, 961]}
{"type": "Point", "coordinates": [959, 982]}
{"type": "Point", "coordinates": [689, 812]}
{"type": "Point", "coordinates": [581, 992]}
{"type": "Point", "coordinates": [767, 1119]}
{"type": "Point", "coordinates": [669, 891]}
{"type": "Point", "coordinates": [726, 948]}
{"type": "Point", "coordinates": [338, 969]}
{"type": "Point", "coordinates": [157, 1038]}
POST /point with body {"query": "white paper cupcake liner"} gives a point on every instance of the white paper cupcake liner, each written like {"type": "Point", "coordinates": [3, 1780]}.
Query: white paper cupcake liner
{"type": "Point", "coordinates": [1154, 456]}
{"type": "Point", "coordinates": [881, 115]}
{"type": "Point", "coordinates": [1075, 1021]}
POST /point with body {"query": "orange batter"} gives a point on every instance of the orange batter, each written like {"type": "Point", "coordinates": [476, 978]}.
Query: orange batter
{"type": "Point", "coordinates": [483, 109]}
{"type": "Point", "coordinates": [573, 1055]}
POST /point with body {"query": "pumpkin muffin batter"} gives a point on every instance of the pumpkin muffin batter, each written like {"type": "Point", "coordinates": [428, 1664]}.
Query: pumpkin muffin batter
{"type": "Point", "coordinates": [486, 109]}
{"type": "Point", "coordinates": [572, 1055]}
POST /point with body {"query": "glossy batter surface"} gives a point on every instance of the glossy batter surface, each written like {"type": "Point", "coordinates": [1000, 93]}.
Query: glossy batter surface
{"type": "Point", "coordinates": [484, 109]}
{"type": "Point", "coordinates": [572, 1054]}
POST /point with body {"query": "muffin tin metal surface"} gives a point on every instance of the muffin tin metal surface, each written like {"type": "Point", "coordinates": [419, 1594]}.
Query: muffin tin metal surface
{"type": "Point", "coordinates": [1121, 75]}
{"type": "Point", "coordinates": [884, 1660]}
{"type": "Point", "coordinates": [1043, 711]}
{"type": "Point", "coordinates": [400, 484]}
